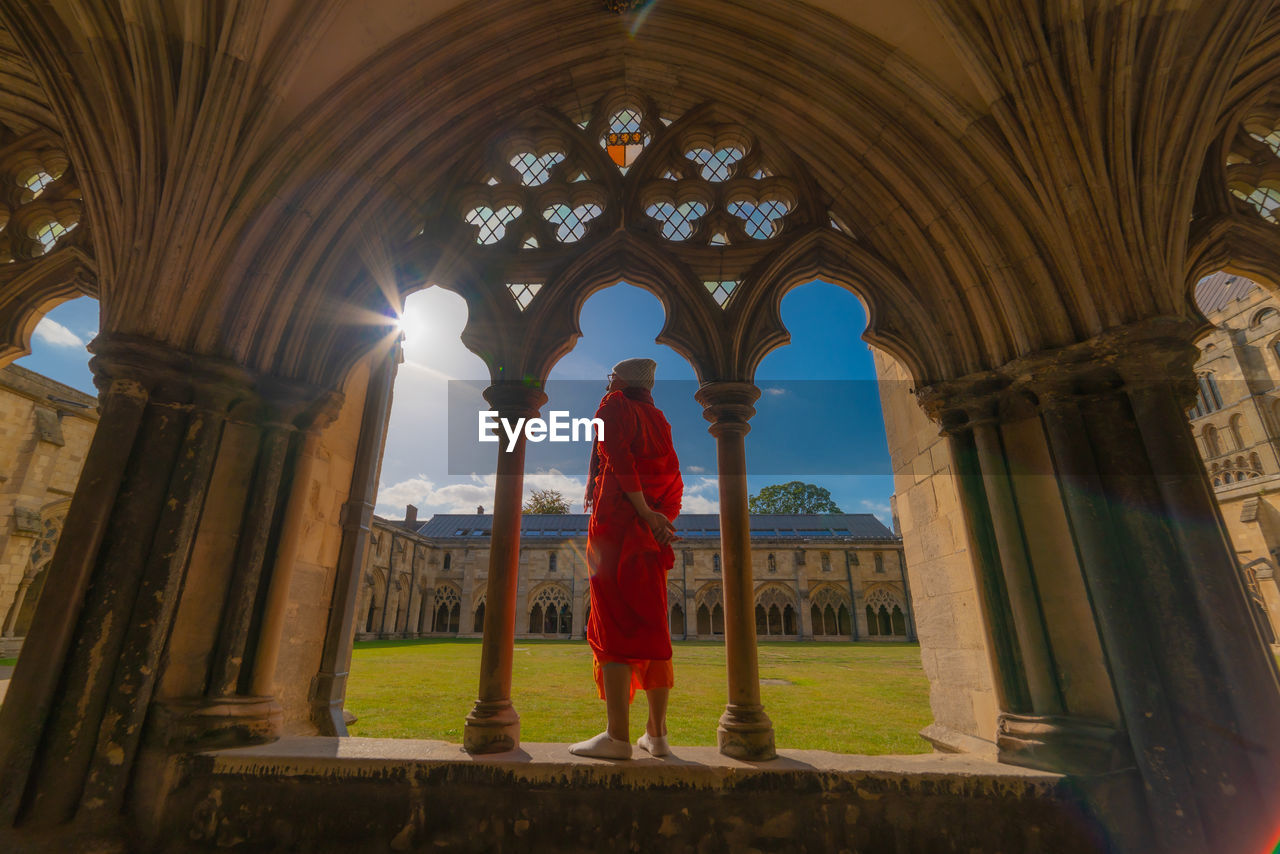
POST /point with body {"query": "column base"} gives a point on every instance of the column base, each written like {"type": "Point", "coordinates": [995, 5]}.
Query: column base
{"type": "Point", "coordinates": [1064, 744]}
{"type": "Point", "coordinates": [204, 723]}
{"type": "Point", "coordinates": [745, 732]}
{"type": "Point", "coordinates": [492, 727]}
{"type": "Point", "coordinates": [328, 693]}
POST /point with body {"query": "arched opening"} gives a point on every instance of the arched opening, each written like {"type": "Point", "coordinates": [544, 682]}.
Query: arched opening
{"type": "Point", "coordinates": [477, 623]}
{"type": "Point", "coordinates": [50, 414]}
{"type": "Point", "coordinates": [704, 621]}
{"type": "Point", "coordinates": [899, 622]}
{"type": "Point", "coordinates": [676, 623]}
{"type": "Point", "coordinates": [535, 619]}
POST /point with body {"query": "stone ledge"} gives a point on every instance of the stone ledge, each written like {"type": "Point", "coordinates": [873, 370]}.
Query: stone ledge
{"type": "Point", "coordinates": [359, 794]}
{"type": "Point", "coordinates": [352, 755]}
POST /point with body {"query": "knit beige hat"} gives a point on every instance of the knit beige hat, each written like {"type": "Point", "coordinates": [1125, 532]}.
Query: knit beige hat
{"type": "Point", "coordinates": [636, 372]}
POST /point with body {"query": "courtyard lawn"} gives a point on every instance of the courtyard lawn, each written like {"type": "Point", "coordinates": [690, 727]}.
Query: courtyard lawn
{"type": "Point", "coordinates": [844, 697]}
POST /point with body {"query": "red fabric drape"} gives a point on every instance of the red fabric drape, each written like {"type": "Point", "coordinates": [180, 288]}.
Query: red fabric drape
{"type": "Point", "coordinates": [629, 568]}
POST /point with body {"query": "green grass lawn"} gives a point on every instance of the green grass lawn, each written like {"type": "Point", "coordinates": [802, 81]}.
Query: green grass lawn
{"type": "Point", "coordinates": [847, 697]}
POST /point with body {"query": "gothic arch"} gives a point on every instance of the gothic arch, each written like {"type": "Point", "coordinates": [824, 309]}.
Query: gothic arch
{"type": "Point", "coordinates": [446, 609]}
{"type": "Point", "coordinates": [776, 609]}
{"type": "Point", "coordinates": [550, 609]}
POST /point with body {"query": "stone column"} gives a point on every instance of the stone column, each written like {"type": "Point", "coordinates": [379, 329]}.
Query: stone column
{"type": "Point", "coordinates": [745, 731]}
{"type": "Point", "coordinates": [19, 597]}
{"type": "Point", "coordinates": [1122, 644]}
{"type": "Point", "coordinates": [330, 687]}
{"type": "Point", "coordinates": [493, 725]}
{"type": "Point", "coordinates": [105, 623]}
{"type": "Point", "coordinates": [805, 604]}
{"type": "Point", "coordinates": [1028, 624]}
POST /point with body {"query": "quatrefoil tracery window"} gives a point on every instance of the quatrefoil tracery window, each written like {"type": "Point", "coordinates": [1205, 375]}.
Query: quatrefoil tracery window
{"type": "Point", "coordinates": [712, 192]}
{"type": "Point", "coordinates": [1253, 164]}
{"type": "Point", "coordinates": [39, 201]}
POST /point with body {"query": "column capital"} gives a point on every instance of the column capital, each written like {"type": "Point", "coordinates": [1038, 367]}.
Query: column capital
{"type": "Point", "coordinates": [1150, 352]}
{"type": "Point", "coordinates": [138, 367]}
{"type": "Point", "coordinates": [728, 405]}
{"type": "Point", "coordinates": [515, 398]}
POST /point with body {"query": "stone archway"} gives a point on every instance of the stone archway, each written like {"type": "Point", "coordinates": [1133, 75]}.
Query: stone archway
{"type": "Point", "coordinates": [1019, 199]}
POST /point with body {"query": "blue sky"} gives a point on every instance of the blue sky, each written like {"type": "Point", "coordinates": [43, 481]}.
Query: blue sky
{"type": "Point", "coordinates": [819, 413]}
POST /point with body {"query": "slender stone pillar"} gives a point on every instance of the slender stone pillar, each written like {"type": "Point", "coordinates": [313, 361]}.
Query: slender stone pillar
{"type": "Point", "coordinates": [493, 726]}
{"type": "Point", "coordinates": [1028, 623]}
{"type": "Point", "coordinates": [745, 731]}
{"type": "Point", "coordinates": [19, 597]}
{"type": "Point", "coordinates": [330, 686]}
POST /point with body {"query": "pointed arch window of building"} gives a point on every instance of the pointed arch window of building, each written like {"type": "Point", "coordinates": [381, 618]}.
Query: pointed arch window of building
{"type": "Point", "coordinates": [448, 559]}
{"type": "Point", "coordinates": [1208, 397]}
{"type": "Point", "coordinates": [879, 562]}
{"type": "Point", "coordinates": [773, 563]}
{"type": "Point", "coordinates": [715, 562]}
{"type": "Point", "coordinates": [1211, 444]}
{"type": "Point", "coordinates": [551, 562]}
{"type": "Point", "coordinates": [826, 561]}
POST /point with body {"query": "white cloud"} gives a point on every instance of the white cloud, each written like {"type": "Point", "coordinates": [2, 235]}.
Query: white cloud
{"type": "Point", "coordinates": [54, 333]}
{"type": "Point", "coordinates": [774, 391]}
{"type": "Point", "coordinates": [463, 497]}
{"type": "Point", "coordinates": [700, 496]}
{"type": "Point", "coordinates": [697, 469]}
{"type": "Point", "coordinates": [880, 509]}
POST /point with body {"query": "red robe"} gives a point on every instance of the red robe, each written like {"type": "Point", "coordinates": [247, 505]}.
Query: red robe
{"type": "Point", "coordinates": [628, 621]}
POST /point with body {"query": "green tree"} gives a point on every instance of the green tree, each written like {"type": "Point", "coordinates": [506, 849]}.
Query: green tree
{"type": "Point", "coordinates": [547, 501]}
{"type": "Point", "coordinates": [793, 497]}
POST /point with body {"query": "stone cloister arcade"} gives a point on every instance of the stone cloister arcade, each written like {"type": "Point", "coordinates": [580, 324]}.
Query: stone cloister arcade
{"type": "Point", "coordinates": [1022, 194]}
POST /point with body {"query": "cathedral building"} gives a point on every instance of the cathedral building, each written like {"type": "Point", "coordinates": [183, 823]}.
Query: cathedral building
{"type": "Point", "coordinates": [1236, 423]}
{"type": "Point", "coordinates": [836, 576]}
{"type": "Point", "coordinates": [45, 430]}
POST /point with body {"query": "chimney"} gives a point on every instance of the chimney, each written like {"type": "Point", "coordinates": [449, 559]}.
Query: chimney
{"type": "Point", "coordinates": [410, 514]}
{"type": "Point", "coordinates": [479, 509]}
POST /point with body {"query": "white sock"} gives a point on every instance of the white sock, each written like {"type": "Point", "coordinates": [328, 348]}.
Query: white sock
{"type": "Point", "coordinates": [603, 746]}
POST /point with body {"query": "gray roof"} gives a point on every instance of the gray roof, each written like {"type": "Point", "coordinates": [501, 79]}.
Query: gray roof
{"type": "Point", "coordinates": [826, 526]}
{"type": "Point", "coordinates": [1213, 293]}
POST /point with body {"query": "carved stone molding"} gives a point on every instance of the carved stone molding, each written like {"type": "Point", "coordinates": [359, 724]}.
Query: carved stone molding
{"type": "Point", "coordinates": [136, 366]}
{"type": "Point", "coordinates": [728, 406]}
{"type": "Point", "coordinates": [1152, 352]}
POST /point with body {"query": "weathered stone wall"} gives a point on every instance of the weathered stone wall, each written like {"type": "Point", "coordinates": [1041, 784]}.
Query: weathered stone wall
{"type": "Point", "coordinates": [939, 569]}
{"type": "Point", "coordinates": [383, 794]}
{"type": "Point", "coordinates": [45, 430]}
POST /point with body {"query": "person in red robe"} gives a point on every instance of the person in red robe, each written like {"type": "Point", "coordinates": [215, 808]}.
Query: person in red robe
{"type": "Point", "coordinates": [634, 490]}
